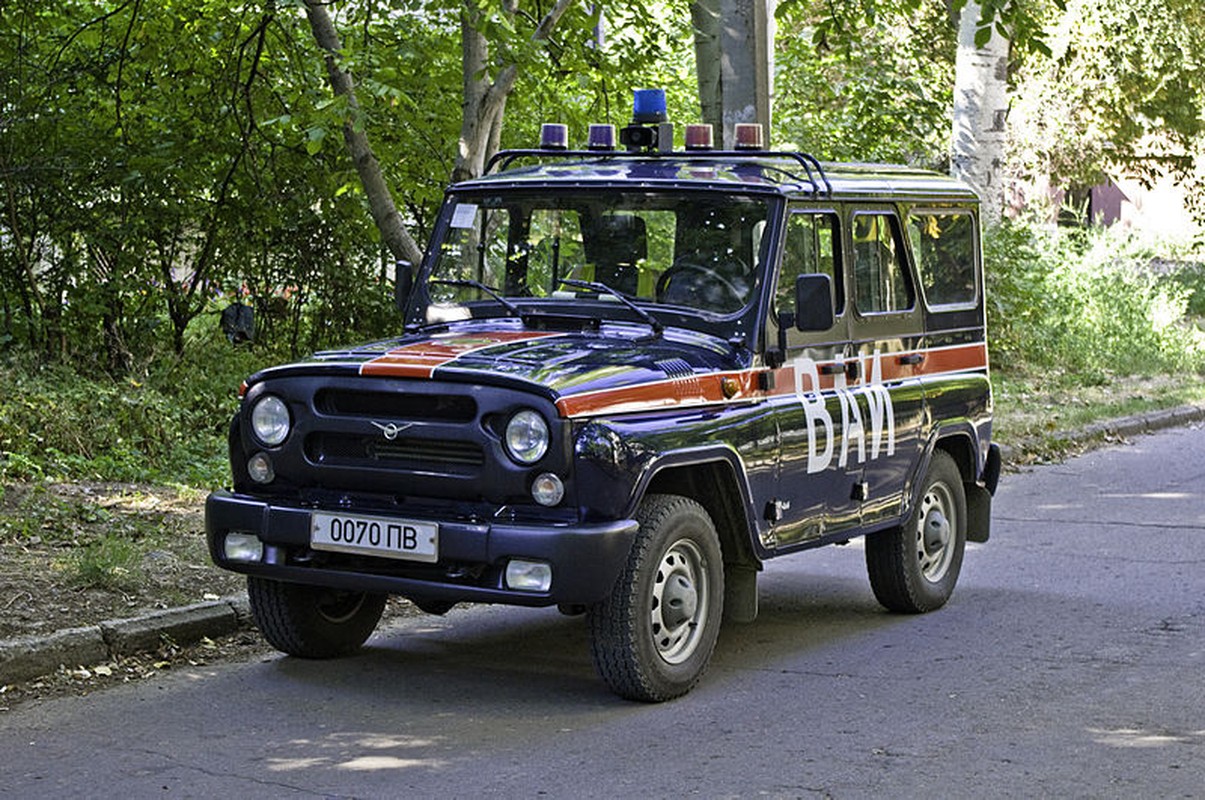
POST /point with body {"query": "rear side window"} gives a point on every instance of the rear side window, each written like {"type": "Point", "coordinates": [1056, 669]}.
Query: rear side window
{"type": "Point", "coordinates": [943, 244]}
{"type": "Point", "coordinates": [880, 281]}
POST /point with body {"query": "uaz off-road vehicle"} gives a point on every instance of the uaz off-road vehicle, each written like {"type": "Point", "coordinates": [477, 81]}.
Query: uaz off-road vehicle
{"type": "Point", "coordinates": [626, 379]}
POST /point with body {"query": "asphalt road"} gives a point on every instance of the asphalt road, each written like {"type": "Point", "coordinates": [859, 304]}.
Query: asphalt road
{"type": "Point", "coordinates": [1068, 664]}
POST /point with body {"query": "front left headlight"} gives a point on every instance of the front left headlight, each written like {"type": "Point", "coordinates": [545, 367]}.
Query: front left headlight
{"type": "Point", "coordinates": [527, 437]}
{"type": "Point", "coordinates": [270, 420]}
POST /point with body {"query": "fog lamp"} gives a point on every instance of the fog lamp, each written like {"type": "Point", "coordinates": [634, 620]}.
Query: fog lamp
{"type": "Point", "coordinates": [529, 576]}
{"type": "Point", "coordinates": [547, 489]}
{"type": "Point", "coordinates": [240, 546]}
{"type": "Point", "coordinates": [260, 468]}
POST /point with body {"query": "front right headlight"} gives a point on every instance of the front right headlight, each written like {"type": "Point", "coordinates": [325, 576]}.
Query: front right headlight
{"type": "Point", "coordinates": [270, 420]}
{"type": "Point", "coordinates": [527, 437]}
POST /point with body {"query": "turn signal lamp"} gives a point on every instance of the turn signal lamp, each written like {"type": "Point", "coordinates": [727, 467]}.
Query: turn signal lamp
{"type": "Point", "coordinates": [548, 489]}
{"type": "Point", "coordinates": [601, 137]}
{"type": "Point", "coordinates": [554, 136]}
{"type": "Point", "coordinates": [748, 136]}
{"type": "Point", "coordinates": [260, 468]}
{"type": "Point", "coordinates": [699, 137]}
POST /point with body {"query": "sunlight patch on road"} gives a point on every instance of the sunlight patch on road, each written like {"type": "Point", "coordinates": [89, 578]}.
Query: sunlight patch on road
{"type": "Point", "coordinates": [357, 752]}
{"type": "Point", "coordinates": [1138, 738]}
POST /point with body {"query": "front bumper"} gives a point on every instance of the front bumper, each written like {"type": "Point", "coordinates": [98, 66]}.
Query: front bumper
{"type": "Point", "coordinates": [585, 559]}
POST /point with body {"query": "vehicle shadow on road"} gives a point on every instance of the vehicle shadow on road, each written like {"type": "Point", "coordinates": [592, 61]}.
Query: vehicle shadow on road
{"type": "Point", "coordinates": [539, 659]}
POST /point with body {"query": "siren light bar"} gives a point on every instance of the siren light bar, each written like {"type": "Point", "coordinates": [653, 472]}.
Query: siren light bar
{"type": "Point", "coordinates": [651, 133]}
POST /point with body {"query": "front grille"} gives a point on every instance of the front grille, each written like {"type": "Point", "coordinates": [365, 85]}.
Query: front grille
{"type": "Point", "coordinates": [396, 405]}
{"type": "Point", "coordinates": [340, 450]}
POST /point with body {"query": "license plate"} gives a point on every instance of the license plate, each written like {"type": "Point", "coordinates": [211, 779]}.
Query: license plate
{"type": "Point", "coordinates": [384, 537]}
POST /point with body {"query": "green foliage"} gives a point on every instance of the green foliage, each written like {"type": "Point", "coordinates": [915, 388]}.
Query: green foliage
{"type": "Point", "coordinates": [169, 426]}
{"type": "Point", "coordinates": [1124, 88]}
{"type": "Point", "coordinates": [867, 82]}
{"type": "Point", "coordinates": [1087, 303]}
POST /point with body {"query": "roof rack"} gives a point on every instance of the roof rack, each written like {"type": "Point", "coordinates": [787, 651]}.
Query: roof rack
{"type": "Point", "coordinates": [811, 166]}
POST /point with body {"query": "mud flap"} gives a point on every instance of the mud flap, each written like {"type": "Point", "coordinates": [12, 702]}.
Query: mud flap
{"type": "Point", "coordinates": [979, 512]}
{"type": "Point", "coordinates": [740, 593]}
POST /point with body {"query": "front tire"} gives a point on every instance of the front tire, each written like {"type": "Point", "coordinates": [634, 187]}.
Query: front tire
{"type": "Point", "coordinates": [653, 637]}
{"type": "Point", "coordinates": [313, 621]}
{"type": "Point", "coordinates": [913, 567]}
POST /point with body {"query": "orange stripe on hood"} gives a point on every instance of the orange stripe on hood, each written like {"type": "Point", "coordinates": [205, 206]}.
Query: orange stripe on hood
{"type": "Point", "coordinates": [421, 359]}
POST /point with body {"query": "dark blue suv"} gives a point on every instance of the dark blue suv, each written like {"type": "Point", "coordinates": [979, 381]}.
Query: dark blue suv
{"type": "Point", "coordinates": [627, 378]}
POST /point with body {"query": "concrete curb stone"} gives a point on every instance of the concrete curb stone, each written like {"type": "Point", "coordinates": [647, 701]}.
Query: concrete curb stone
{"type": "Point", "coordinates": [26, 657]}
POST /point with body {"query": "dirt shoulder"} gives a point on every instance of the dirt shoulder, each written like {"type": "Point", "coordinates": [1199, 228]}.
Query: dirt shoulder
{"type": "Point", "coordinates": [75, 554]}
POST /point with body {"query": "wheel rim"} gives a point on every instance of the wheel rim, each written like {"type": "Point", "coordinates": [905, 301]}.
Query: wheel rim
{"type": "Point", "coordinates": [935, 532]}
{"type": "Point", "coordinates": [680, 601]}
{"type": "Point", "coordinates": [338, 607]}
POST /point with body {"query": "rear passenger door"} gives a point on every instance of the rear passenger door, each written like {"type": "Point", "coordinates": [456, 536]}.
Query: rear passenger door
{"type": "Point", "coordinates": [887, 331]}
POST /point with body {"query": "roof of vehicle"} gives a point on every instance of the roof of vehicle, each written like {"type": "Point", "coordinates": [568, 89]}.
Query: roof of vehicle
{"type": "Point", "coordinates": [790, 174]}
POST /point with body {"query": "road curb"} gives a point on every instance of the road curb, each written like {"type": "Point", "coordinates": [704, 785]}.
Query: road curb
{"type": "Point", "coordinates": [1119, 427]}
{"type": "Point", "coordinates": [25, 657]}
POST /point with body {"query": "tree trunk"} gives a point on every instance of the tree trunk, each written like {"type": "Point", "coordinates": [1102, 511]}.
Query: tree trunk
{"type": "Point", "coordinates": [705, 15]}
{"type": "Point", "coordinates": [394, 234]}
{"type": "Point", "coordinates": [980, 113]}
{"type": "Point", "coordinates": [734, 54]}
{"type": "Point", "coordinates": [485, 98]}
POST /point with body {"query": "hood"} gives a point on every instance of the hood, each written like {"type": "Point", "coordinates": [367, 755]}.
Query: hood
{"type": "Point", "coordinates": [616, 368]}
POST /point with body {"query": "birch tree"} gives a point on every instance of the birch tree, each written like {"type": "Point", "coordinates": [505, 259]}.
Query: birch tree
{"type": "Point", "coordinates": [980, 113]}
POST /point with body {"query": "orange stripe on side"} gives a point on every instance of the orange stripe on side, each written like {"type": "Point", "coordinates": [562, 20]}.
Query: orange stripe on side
{"type": "Point", "coordinates": [676, 392]}
{"type": "Point", "coordinates": [709, 389]}
{"type": "Point", "coordinates": [954, 359]}
{"type": "Point", "coordinates": [420, 360]}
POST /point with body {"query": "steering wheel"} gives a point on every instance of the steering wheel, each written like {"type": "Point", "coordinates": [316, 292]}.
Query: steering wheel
{"type": "Point", "coordinates": [711, 276]}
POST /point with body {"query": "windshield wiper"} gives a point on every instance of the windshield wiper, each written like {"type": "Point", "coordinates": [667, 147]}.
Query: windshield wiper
{"type": "Point", "coordinates": [602, 288]}
{"type": "Point", "coordinates": [490, 290]}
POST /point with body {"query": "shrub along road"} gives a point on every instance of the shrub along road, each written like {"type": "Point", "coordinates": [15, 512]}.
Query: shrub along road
{"type": "Point", "coordinates": [1062, 666]}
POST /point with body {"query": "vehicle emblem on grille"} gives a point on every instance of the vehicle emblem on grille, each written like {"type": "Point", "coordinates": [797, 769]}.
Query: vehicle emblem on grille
{"type": "Point", "coordinates": [392, 429]}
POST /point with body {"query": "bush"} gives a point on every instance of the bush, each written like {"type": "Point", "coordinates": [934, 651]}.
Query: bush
{"type": "Point", "coordinates": [1086, 304]}
{"type": "Point", "coordinates": [168, 425]}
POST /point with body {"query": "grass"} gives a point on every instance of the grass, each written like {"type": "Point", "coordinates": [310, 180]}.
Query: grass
{"type": "Point", "coordinates": [111, 562]}
{"type": "Point", "coordinates": [1036, 414]}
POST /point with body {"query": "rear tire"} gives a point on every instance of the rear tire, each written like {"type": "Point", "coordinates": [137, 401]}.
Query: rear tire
{"type": "Point", "coordinates": [913, 567]}
{"type": "Point", "coordinates": [652, 639]}
{"type": "Point", "coordinates": [313, 621]}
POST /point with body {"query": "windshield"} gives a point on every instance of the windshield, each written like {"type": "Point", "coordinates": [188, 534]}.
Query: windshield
{"type": "Point", "coordinates": [687, 250]}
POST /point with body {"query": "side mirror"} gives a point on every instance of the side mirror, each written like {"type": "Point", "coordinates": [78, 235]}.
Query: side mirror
{"type": "Point", "coordinates": [814, 302]}
{"type": "Point", "coordinates": [403, 282]}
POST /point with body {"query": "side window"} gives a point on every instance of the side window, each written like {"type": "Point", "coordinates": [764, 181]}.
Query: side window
{"type": "Point", "coordinates": [810, 247]}
{"type": "Point", "coordinates": [943, 244]}
{"type": "Point", "coordinates": [880, 280]}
